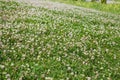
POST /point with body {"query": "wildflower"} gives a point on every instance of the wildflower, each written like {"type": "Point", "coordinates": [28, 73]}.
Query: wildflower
{"type": "Point", "coordinates": [7, 75]}
{"type": "Point", "coordinates": [2, 66]}
{"type": "Point", "coordinates": [43, 76]}
{"type": "Point", "coordinates": [12, 64]}
{"type": "Point", "coordinates": [88, 78]}
{"type": "Point", "coordinates": [114, 56]}
{"type": "Point", "coordinates": [72, 73]}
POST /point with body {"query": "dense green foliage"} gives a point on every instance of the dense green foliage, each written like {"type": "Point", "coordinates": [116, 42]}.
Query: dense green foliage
{"type": "Point", "coordinates": [104, 1]}
{"type": "Point", "coordinates": [112, 8]}
{"type": "Point", "coordinates": [38, 43]}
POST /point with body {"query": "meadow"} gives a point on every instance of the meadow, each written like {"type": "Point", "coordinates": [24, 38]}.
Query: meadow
{"type": "Point", "coordinates": [37, 43]}
{"type": "Point", "coordinates": [111, 7]}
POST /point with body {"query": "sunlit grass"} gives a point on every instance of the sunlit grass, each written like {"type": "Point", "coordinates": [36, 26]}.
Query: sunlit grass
{"type": "Point", "coordinates": [38, 43]}
{"type": "Point", "coordinates": [112, 8]}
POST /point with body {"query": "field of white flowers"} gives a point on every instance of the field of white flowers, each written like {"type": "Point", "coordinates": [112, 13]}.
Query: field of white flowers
{"type": "Point", "coordinates": [39, 43]}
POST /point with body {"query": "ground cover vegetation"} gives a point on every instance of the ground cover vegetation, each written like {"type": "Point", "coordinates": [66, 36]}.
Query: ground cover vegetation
{"type": "Point", "coordinates": [112, 8]}
{"type": "Point", "coordinates": [42, 44]}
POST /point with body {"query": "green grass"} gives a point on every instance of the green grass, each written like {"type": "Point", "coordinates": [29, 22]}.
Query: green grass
{"type": "Point", "coordinates": [112, 8]}
{"type": "Point", "coordinates": [38, 43]}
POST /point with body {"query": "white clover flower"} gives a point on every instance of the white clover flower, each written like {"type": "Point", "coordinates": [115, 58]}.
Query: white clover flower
{"type": "Point", "coordinates": [48, 71]}
{"type": "Point", "coordinates": [115, 56]}
{"type": "Point", "coordinates": [67, 78]}
{"type": "Point", "coordinates": [92, 57]}
{"type": "Point", "coordinates": [86, 53]}
{"type": "Point", "coordinates": [72, 73]}
{"type": "Point", "coordinates": [88, 78]}
{"type": "Point", "coordinates": [12, 64]}
{"type": "Point", "coordinates": [44, 49]}
{"type": "Point", "coordinates": [2, 66]}
{"type": "Point", "coordinates": [69, 68]}
{"type": "Point", "coordinates": [7, 75]}
{"type": "Point", "coordinates": [48, 78]}
{"type": "Point", "coordinates": [27, 65]}
{"type": "Point", "coordinates": [70, 34]}
{"type": "Point", "coordinates": [48, 45]}
{"type": "Point", "coordinates": [38, 57]}
{"type": "Point", "coordinates": [23, 55]}
{"type": "Point", "coordinates": [58, 59]}
{"type": "Point", "coordinates": [107, 50]}
{"type": "Point", "coordinates": [101, 68]}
